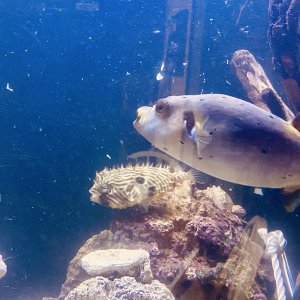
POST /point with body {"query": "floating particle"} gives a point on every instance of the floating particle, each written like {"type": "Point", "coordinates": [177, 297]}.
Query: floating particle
{"type": "Point", "coordinates": [258, 191]}
{"type": "Point", "coordinates": [159, 76]}
{"type": "Point", "coordinates": [9, 88]}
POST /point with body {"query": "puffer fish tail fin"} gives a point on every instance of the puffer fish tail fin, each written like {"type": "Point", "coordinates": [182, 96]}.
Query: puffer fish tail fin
{"type": "Point", "coordinates": [291, 198]}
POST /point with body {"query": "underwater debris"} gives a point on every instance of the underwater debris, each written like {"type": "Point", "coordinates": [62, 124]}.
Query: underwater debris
{"type": "Point", "coordinates": [125, 262]}
{"type": "Point", "coordinates": [120, 288]}
{"type": "Point", "coordinates": [197, 249]}
{"type": "Point", "coordinates": [3, 267]}
{"type": "Point", "coordinates": [126, 186]}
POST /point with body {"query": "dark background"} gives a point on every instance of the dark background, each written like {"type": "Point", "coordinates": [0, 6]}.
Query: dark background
{"type": "Point", "coordinates": [77, 77]}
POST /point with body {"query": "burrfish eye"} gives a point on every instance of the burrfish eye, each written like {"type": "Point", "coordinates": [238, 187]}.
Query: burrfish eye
{"type": "Point", "coordinates": [162, 107]}
{"type": "Point", "coordinates": [105, 188]}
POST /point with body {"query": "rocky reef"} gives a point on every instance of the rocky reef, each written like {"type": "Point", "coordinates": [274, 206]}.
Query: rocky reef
{"type": "Point", "coordinates": [120, 288]}
{"type": "Point", "coordinates": [197, 245]}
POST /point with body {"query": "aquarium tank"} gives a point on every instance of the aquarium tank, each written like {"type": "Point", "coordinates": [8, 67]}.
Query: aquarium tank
{"type": "Point", "coordinates": [149, 149]}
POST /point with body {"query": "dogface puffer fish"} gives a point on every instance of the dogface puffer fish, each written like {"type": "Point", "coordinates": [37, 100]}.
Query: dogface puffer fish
{"type": "Point", "coordinates": [139, 184]}
{"type": "Point", "coordinates": [225, 137]}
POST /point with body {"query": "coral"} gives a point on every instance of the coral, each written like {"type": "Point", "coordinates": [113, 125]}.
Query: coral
{"type": "Point", "coordinates": [3, 267]}
{"type": "Point", "coordinates": [124, 262]}
{"type": "Point", "coordinates": [124, 288]}
{"type": "Point", "coordinates": [197, 248]}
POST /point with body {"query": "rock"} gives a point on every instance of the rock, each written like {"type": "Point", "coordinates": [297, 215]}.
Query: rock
{"type": "Point", "coordinates": [219, 197]}
{"type": "Point", "coordinates": [3, 267]}
{"type": "Point", "coordinates": [238, 211]}
{"type": "Point", "coordinates": [218, 233]}
{"type": "Point", "coordinates": [190, 236]}
{"type": "Point", "coordinates": [125, 262]}
{"type": "Point", "coordinates": [101, 288]}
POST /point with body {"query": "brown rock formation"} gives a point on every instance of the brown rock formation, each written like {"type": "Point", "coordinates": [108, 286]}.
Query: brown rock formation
{"type": "Point", "coordinates": [197, 247]}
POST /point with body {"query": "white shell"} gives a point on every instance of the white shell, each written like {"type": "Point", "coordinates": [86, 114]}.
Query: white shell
{"type": "Point", "coordinates": [123, 261]}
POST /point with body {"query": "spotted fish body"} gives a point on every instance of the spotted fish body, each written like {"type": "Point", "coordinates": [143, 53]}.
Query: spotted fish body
{"type": "Point", "coordinates": [139, 184]}
{"type": "Point", "coordinates": [225, 137]}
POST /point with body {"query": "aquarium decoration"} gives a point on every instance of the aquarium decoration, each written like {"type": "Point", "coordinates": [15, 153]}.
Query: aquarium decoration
{"type": "Point", "coordinates": [275, 244]}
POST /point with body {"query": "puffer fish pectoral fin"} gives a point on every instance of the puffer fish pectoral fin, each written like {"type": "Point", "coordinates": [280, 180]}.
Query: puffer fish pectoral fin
{"type": "Point", "coordinates": [201, 134]}
{"type": "Point", "coordinates": [296, 122]}
{"type": "Point", "coordinates": [198, 135]}
{"type": "Point", "coordinates": [291, 198]}
{"type": "Point", "coordinates": [202, 138]}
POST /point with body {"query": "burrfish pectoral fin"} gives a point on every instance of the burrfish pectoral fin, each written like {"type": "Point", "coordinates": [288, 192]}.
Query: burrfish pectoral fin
{"type": "Point", "coordinates": [291, 198]}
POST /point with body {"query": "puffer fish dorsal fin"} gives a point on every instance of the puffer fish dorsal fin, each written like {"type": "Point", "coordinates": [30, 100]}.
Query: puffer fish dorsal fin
{"type": "Point", "coordinates": [296, 122]}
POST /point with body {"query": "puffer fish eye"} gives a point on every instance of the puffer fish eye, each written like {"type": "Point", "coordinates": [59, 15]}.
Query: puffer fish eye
{"type": "Point", "coordinates": [162, 107]}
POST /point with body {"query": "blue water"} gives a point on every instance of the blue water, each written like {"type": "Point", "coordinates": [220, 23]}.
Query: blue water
{"type": "Point", "coordinates": [77, 78]}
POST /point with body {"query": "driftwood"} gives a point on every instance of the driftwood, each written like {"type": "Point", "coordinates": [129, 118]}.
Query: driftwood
{"type": "Point", "coordinates": [284, 33]}
{"type": "Point", "coordinates": [257, 85]}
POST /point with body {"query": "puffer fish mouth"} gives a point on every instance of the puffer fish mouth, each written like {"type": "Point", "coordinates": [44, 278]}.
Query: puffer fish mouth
{"type": "Point", "coordinates": [142, 113]}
